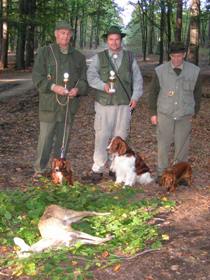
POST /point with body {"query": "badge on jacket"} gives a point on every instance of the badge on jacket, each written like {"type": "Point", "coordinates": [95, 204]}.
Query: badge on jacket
{"type": "Point", "coordinates": [171, 93]}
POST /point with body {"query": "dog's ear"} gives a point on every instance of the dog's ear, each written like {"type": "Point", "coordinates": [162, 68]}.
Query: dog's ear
{"type": "Point", "coordinates": [54, 161]}
{"type": "Point", "coordinates": [161, 181]}
{"type": "Point", "coordinates": [123, 147]}
{"type": "Point", "coordinates": [68, 166]}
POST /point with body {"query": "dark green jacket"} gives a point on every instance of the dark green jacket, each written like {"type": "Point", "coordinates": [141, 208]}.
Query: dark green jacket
{"type": "Point", "coordinates": [49, 67]}
{"type": "Point", "coordinates": [125, 74]}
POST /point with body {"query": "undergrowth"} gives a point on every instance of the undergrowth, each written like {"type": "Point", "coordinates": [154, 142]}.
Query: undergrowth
{"type": "Point", "coordinates": [129, 223]}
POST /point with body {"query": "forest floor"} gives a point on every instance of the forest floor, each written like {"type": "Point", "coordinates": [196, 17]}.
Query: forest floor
{"type": "Point", "coordinates": [186, 255]}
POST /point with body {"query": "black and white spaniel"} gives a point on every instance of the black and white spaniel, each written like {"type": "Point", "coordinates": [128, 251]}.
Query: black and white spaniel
{"type": "Point", "coordinates": [128, 166]}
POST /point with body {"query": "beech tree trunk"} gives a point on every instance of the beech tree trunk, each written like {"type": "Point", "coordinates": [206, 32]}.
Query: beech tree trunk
{"type": "Point", "coordinates": [194, 28]}
{"type": "Point", "coordinates": [162, 23]}
{"type": "Point", "coordinates": [169, 12]}
{"type": "Point", "coordinates": [178, 31]}
{"type": "Point", "coordinates": [4, 34]}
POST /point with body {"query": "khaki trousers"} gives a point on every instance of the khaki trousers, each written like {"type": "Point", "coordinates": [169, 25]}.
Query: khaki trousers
{"type": "Point", "coordinates": [172, 131]}
{"type": "Point", "coordinates": [110, 121]}
{"type": "Point", "coordinates": [50, 137]}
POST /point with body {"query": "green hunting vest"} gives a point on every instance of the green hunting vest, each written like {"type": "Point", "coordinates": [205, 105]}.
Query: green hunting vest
{"type": "Point", "coordinates": [49, 68]}
{"type": "Point", "coordinates": [119, 97]}
{"type": "Point", "coordinates": [176, 98]}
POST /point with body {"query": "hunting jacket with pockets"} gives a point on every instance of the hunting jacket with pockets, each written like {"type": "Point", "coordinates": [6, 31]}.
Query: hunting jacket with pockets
{"type": "Point", "coordinates": [49, 68]}
{"type": "Point", "coordinates": [124, 72]}
{"type": "Point", "coordinates": [176, 98]}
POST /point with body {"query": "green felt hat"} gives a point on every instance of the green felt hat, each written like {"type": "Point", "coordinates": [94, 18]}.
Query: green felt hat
{"type": "Point", "coordinates": [62, 24]}
{"type": "Point", "coordinates": [177, 47]}
{"type": "Point", "coordinates": [114, 29]}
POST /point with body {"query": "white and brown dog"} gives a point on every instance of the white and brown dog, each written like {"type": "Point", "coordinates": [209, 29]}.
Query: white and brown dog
{"type": "Point", "coordinates": [61, 171]}
{"type": "Point", "coordinates": [56, 231]}
{"type": "Point", "coordinates": [128, 166]}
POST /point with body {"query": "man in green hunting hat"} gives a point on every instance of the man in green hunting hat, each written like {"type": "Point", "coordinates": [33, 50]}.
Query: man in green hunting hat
{"type": "Point", "coordinates": [114, 30]}
{"type": "Point", "coordinates": [174, 98]}
{"type": "Point", "coordinates": [59, 72]}
{"type": "Point", "coordinates": [116, 77]}
{"type": "Point", "coordinates": [62, 24]}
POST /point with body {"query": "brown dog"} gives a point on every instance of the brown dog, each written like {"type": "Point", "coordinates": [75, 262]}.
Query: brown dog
{"type": "Point", "coordinates": [173, 175]}
{"type": "Point", "coordinates": [61, 171]}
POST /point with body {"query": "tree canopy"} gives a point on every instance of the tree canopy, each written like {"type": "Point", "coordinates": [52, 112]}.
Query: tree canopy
{"type": "Point", "coordinates": [26, 25]}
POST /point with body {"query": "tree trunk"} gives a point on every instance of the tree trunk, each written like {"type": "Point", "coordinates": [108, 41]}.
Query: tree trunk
{"type": "Point", "coordinates": [81, 33]}
{"type": "Point", "coordinates": [178, 32]}
{"type": "Point", "coordinates": [1, 28]}
{"type": "Point", "coordinates": [31, 8]}
{"type": "Point", "coordinates": [169, 12]}
{"type": "Point", "coordinates": [193, 49]}
{"type": "Point", "coordinates": [91, 33]}
{"type": "Point", "coordinates": [20, 51]}
{"type": "Point", "coordinates": [151, 28]}
{"type": "Point", "coordinates": [143, 26]}
{"type": "Point", "coordinates": [29, 46]}
{"type": "Point", "coordinates": [4, 36]}
{"type": "Point", "coordinates": [97, 28]}
{"type": "Point", "coordinates": [162, 23]}
{"type": "Point", "coordinates": [150, 38]}
{"type": "Point", "coordinates": [75, 31]}
{"type": "Point", "coordinates": [209, 38]}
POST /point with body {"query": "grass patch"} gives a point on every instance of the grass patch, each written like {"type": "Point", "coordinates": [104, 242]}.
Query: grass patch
{"type": "Point", "coordinates": [128, 223]}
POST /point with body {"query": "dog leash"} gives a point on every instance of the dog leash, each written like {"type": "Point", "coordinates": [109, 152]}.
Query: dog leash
{"type": "Point", "coordinates": [65, 125]}
{"type": "Point", "coordinates": [64, 132]}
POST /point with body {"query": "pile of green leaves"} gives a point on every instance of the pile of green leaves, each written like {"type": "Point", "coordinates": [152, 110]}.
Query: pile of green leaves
{"type": "Point", "coordinates": [127, 223]}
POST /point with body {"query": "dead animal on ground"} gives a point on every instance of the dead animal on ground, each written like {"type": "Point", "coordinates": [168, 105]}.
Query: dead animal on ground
{"type": "Point", "coordinates": [61, 171]}
{"type": "Point", "coordinates": [178, 173]}
{"type": "Point", "coordinates": [56, 231]}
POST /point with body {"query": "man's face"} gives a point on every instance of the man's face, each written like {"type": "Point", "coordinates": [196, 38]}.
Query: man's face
{"type": "Point", "coordinates": [177, 59]}
{"type": "Point", "coordinates": [114, 42]}
{"type": "Point", "coordinates": [63, 37]}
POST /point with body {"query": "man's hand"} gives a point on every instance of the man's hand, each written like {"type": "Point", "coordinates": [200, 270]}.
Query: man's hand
{"type": "Point", "coordinates": [133, 104]}
{"type": "Point", "coordinates": [73, 92]}
{"type": "Point", "coordinates": [106, 88]}
{"type": "Point", "coordinates": [154, 120]}
{"type": "Point", "coordinates": [60, 90]}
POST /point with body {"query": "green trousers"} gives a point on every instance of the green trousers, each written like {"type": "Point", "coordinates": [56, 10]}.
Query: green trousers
{"type": "Point", "coordinates": [50, 138]}
{"type": "Point", "coordinates": [171, 131]}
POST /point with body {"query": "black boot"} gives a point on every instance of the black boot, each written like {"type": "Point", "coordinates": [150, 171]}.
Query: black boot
{"type": "Point", "coordinates": [112, 175]}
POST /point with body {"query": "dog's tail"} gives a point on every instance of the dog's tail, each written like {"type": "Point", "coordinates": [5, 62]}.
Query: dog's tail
{"type": "Point", "coordinates": [145, 178]}
{"type": "Point", "coordinates": [24, 248]}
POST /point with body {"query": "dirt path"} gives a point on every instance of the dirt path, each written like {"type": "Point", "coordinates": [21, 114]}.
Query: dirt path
{"type": "Point", "coordinates": [186, 256]}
